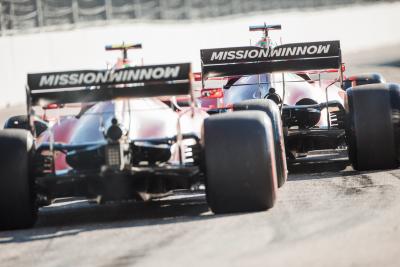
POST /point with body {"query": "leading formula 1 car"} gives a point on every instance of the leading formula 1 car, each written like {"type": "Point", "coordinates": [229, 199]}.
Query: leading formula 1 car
{"type": "Point", "coordinates": [360, 112]}
{"type": "Point", "coordinates": [127, 143]}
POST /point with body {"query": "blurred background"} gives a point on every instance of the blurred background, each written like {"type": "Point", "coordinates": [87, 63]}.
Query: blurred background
{"type": "Point", "coordinates": [51, 35]}
{"type": "Point", "coordinates": [23, 15]}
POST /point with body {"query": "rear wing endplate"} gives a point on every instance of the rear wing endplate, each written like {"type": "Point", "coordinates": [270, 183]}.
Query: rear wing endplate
{"type": "Point", "coordinates": [249, 60]}
{"type": "Point", "coordinates": [102, 85]}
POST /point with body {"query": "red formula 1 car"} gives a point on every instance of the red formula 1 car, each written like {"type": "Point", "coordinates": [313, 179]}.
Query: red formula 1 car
{"type": "Point", "coordinates": [308, 113]}
{"type": "Point", "coordinates": [126, 143]}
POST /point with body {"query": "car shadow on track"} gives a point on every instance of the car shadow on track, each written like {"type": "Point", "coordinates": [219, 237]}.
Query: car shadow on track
{"type": "Point", "coordinates": [72, 218]}
{"type": "Point", "coordinates": [318, 166]}
{"type": "Point", "coordinates": [323, 167]}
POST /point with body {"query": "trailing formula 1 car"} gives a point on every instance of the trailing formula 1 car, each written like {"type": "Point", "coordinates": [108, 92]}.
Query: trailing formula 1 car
{"type": "Point", "coordinates": [359, 112]}
{"type": "Point", "coordinates": [127, 143]}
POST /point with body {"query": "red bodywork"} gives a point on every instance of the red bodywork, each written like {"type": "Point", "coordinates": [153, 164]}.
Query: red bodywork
{"type": "Point", "coordinates": [296, 89]}
{"type": "Point", "coordinates": [62, 132]}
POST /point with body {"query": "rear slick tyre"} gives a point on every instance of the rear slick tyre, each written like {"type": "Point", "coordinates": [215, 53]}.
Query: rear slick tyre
{"type": "Point", "coordinates": [370, 131]}
{"type": "Point", "coordinates": [17, 199]}
{"type": "Point", "coordinates": [240, 162]}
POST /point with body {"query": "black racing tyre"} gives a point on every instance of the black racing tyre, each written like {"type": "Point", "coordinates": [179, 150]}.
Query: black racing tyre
{"type": "Point", "coordinates": [272, 111]}
{"type": "Point", "coordinates": [17, 198]}
{"type": "Point", "coordinates": [240, 162]}
{"type": "Point", "coordinates": [370, 130]}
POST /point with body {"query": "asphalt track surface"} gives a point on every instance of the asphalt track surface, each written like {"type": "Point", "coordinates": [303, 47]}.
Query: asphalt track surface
{"type": "Point", "coordinates": [326, 215]}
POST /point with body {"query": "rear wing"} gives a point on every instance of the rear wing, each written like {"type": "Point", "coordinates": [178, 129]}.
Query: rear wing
{"type": "Point", "coordinates": [101, 85]}
{"type": "Point", "coordinates": [249, 60]}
